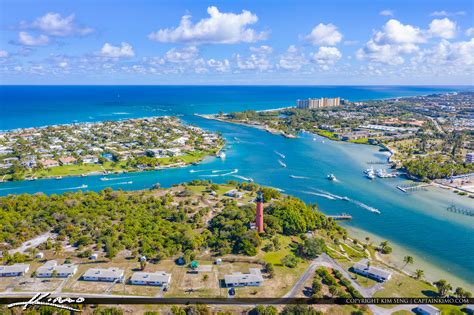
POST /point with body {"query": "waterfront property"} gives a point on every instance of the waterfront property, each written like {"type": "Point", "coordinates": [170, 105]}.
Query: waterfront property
{"type": "Point", "coordinates": [108, 275]}
{"type": "Point", "coordinates": [52, 269]}
{"type": "Point", "coordinates": [15, 270]}
{"type": "Point", "coordinates": [315, 103]}
{"type": "Point", "coordinates": [363, 268]}
{"type": "Point", "coordinates": [427, 310]}
{"type": "Point", "coordinates": [158, 278]}
{"type": "Point", "coordinates": [238, 279]}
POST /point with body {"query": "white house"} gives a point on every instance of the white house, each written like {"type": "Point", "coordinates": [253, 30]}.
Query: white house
{"type": "Point", "coordinates": [94, 256]}
{"type": "Point", "coordinates": [238, 279]}
{"type": "Point", "coordinates": [159, 278]}
{"type": "Point", "coordinates": [39, 255]}
{"type": "Point", "coordinates": [90, 159]}
{"type": "Point", "coordinates": [51, 268]}
{"type": "Point", "coordinates": [99, 274]}
{"type": "Point", "coordinates": [14, 270]}
{"type": "Point", "coordinates": [234, 193]}
{"type": "Point", "coordinates": [427, 310]}
{"type": "Point", "coordinates": [372, 272]}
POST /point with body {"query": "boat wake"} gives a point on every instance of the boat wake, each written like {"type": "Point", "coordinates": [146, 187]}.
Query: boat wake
{"type": "Point", "coordinates": [116, 178]}
{"type": "Point", "coordinates": [299, 177]}
{"type": "Point", "coordinates": [243, 178]}
{"type": "Point", "coordinates": [319, 194]}
{"type": "Point", "coordinates": [330, 194]}
{"type": "Point", "coordinates": [234, 171]}
{"type": "Point", "coordinates": [280, 154]}
{"type": "Point", "coordinates": [122, 183]}
{"type": "Point", "coordinates": [77, 187]}
{"type": "Point", "coordinates": [282, 163]}
{"type": "Point", "coordinates": [197, 171]}
{"type": "Point", "coordinates": [366, 207]}
{"type": "Point", "coordinates": [219, 171]}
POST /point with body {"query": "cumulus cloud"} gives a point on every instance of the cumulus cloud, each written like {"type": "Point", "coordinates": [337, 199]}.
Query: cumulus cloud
{"type": "Point", "coordinates": [470, 31]}
{"type": "Point", "coordinates": [446, 53]}
{"type": "Point", "coordinates": [187, 54]}
{"type": "Point", "coordinates": [3, 54]}
{"type": "Point", "coordinates": [54, 24]}
{"type": "Point", "coordinates": [326, 56]}
{"type": "Point", "coordinates": [254, 62]}
{"type": "Point", "coordinates": [444, 28]}
{"type": "Point", "coordinates": [264, 49]}
{"type": "Point", "coordinates": [125, 50]}
{"type": "Point", "coordinates": [324, 34]}
{"type": "Point", "coordinates": [218, 65]}
{"type": "Point", "coordinates": [394, 32]}
{"type": "Point", "coordinates": [386, 13]}
{"type": "Point", "coordinates": [219, 28]}
{"type": "Point", "coordinates": [395, 39]}
{"type": "Point", "coordinates": [26, 39]}
{"type": "Point", "coordinates": [292, 60]}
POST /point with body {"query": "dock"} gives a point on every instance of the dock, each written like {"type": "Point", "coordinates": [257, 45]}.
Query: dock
{"type": "Point", "coordinates": [410, 188]}
{"type": "Point", "coordinates": [340, 217]}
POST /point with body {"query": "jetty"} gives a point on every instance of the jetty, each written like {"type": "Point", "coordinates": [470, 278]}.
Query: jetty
{"type": "Point", "coordinates": [340, 217]}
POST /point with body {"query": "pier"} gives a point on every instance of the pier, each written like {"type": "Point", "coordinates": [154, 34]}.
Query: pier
{"type": "Point", "coordinates": [340, 217]}
{"type": "Point", "coordinates": [455, 209]}
{"type": "Point", "coordinates": [412, 187]}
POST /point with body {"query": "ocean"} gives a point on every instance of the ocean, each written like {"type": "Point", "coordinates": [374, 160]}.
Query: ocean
{"type": "Point", "coordinates": [418, 223]}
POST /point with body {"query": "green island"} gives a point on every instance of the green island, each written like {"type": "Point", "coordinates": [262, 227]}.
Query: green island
{"type": "Point", "coordinates": [104, 147]}
{"type": "Point", "coordinates": [200, 234]}
{"type": "Point", "coordinates": [428, 139]}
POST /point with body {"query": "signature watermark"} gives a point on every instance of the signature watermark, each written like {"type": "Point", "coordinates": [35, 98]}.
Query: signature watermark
{"type": "Point", "coordinates": [44, 299]}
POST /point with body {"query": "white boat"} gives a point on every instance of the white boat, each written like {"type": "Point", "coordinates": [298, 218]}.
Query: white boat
{"type": "Point", "coordinates": [59, 177]}
{"type": "Point", "coordinates": [221, 155]}
{"type": "Point", "coordinates": [83, 186]}
{"type": "Point", "coordinates": [331, 177]}
{"type": "Point", "coordinates": [104, 179]}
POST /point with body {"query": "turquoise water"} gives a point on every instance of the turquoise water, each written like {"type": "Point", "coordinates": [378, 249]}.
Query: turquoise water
{"type": "Point", "coordinates": [417, 222]}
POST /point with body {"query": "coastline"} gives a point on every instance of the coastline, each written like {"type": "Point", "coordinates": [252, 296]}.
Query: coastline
{"type": "Point", "coordinates": [432, 272]}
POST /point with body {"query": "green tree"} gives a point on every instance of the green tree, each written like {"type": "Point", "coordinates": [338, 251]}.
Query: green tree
{"type": "Point", "coordinates": [443, 287]}
{"type": "Point", "coordinates": [408, 260]}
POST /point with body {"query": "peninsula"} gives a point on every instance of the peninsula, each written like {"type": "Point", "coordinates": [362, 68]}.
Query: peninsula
{"type": "Point", "coordinates": [102, 148]}
{"type": "Point", "coordinates": [430, 137]}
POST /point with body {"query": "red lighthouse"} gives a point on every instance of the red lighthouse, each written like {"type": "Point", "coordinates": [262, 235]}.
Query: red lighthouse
{"type": "Point", "coordinates": [259, 212]}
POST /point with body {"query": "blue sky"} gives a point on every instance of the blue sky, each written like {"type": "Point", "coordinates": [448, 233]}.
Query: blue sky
{"type": "Point", "coordinates": [237, 42]}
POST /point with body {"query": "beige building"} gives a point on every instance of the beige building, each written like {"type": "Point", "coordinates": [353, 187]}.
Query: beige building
{"type": "Point", "coordinates": [314, 103]}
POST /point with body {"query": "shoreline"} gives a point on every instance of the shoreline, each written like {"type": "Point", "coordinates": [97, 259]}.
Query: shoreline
{"type": "Point", "coordinates": [432, 272]}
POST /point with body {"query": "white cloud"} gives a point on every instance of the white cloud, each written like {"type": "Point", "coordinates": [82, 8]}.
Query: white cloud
{"type": "Point", "coordinates": [257, 62]}
{"type": "Point", "coordinates": [470, 31]}
{"type": "Point", "coordinates": [395, 39]}
{"type": "Point", "coordinates": [444, 28]}
{"type": "Point", "coordinates": [219, 28]}
{"type": "Point", "coordinates": [394, 32]}
{"type": "Point", "coordinates": [324, 34]}
{"type": "Point", "coordinates": [63, 64]}
{"type": "Point", "coordinates": [326, 56]}
{"type": "Point", "coordinates": [123, 51]}
{"type": "Point", "coordinates": [446, 13]}
{"type": "Point", "coordinates": [264, 49]}
{"type": "Point", "coordinates": [292, 60]}
{"type": "Point", "coordinates": [220, 66]}
{"type": "Point", "coordinates": [54, 24]}
{"type": "Point", "coordinates": [28, 40]}
{"type": "Point", "coordinates": [187, 54]}
{"type": "Point", "coordinates": [447, 53]}
{"type": "Point", "coordinates": [386, 13]}
{"type": "Point", "coordinates": [3, 54]}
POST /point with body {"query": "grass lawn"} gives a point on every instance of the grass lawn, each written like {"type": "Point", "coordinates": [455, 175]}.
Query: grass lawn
{"type": "Point", "coordinates": [276, 256]}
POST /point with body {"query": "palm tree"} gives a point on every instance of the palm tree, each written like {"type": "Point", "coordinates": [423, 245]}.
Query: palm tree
{"type": "Point", "coordinates": [443, 287]}
{"type": "Point", "coordinates": [408, 260]}
{"type": "Point", "coordinates": [419, 274]}
{"type": "Point", "coordinates": [459, 292]}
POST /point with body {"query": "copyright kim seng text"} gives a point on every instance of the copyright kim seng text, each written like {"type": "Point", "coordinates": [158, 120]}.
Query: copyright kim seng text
{"type": "Point", "coordinates": [408, 301]}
